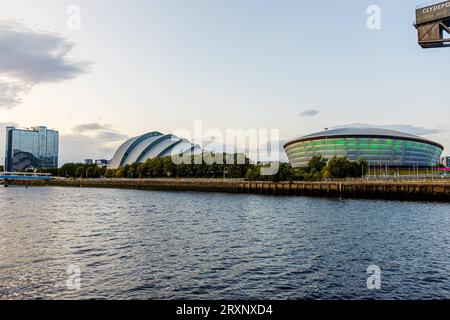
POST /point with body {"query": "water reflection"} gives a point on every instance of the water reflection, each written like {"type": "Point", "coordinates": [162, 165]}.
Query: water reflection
{"type": "Point", "coordinates": [158, 245]}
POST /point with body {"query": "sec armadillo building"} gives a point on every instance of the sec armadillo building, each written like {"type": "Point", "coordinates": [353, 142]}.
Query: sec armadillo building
{"type": "Point", "coordinates": [377, 146]}
{"type": "Point", "coordinates": [151, 145]}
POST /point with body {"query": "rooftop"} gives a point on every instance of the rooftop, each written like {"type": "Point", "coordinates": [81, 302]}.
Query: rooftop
{"type": "Point", "coordinates": [372, 132]}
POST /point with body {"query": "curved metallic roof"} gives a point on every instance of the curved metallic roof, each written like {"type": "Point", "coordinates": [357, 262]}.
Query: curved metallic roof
{"type": "Point", "coordinates": [363, 132]}
{"type": "Point", "coordinates": [148, 146]}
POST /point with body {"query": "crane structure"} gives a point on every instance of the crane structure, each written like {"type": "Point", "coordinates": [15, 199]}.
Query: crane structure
{"type": "Point", "coordinates": [433, 25]}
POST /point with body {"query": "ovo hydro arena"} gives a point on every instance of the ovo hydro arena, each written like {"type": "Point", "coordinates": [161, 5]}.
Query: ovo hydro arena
{"type": "Point", "coordinates": [377, 146]}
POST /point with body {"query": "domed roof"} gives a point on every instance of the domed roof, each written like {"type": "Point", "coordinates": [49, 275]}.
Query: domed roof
{"type": "Point", "coordinates": [363, 132]}
{"type": "Point", "coordinates": [148, 146]}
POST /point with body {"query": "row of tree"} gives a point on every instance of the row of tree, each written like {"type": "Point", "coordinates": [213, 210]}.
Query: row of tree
{"type": "Point", "coordinates": [234, 166]}
{"type": "Point", "coordinates": [336, 168]}
{"type": "Point", "coordinates": [225, 165]}
{"type": "Point", "coordinates": [77, 170]}
{"type": "Point", "coordinates": [317, 169]}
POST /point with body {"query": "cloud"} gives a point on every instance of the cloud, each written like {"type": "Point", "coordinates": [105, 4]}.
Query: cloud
{"type": "Point", "coordinates": [3, 125]}
{"type": "Point", "coordinates": [77, 148]}
{"type": "Point", "coordinates": [90, 141]}
{"type": "Point", "coordinates": [309, 113]}
{"type": "Point", "coordinates": [29, 57]}
{"type": "Point", "coordinates": [10, 93]}
{"type": "Point", "coordinates": [111, 136]}
{"type": "Point", "coordinates": [103, 132]}
{"type": "Point", "coordinates": [88, 127]}
{"type": "Point", "coordinates": [407, 128]}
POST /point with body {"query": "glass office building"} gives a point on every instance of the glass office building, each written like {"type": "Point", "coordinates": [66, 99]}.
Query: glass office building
{"type": "Point", "coordinates": [377, 146]}
{"type": "Point", "coordinates": [31, 149]}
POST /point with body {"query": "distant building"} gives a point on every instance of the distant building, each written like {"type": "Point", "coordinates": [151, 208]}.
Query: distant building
{"type": "Point", "coordinates": [102, 162]}
{"type": "Point", "coordinates": [99, 162]}
{"type": "Point", "coordinates": [33, 148]}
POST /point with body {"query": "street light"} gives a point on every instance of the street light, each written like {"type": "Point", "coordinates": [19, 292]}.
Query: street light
{"type": "Point", "coordinates": [417, 172]}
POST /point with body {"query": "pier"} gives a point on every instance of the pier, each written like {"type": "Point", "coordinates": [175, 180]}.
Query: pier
{"type": "Point", "coordinates": [7, 177]}
{"type": "Point", "coordinates": [399, 190]}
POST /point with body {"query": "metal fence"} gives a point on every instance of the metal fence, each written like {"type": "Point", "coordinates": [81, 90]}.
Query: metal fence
{"type": "Point", "coordinates": [394, 178]}
{"type": "Point", "coordinates": [24, 176]}
{"type": "Point", "coordinates": [417, 177]}
{"type": "Point", "coordinates": [202, 180]}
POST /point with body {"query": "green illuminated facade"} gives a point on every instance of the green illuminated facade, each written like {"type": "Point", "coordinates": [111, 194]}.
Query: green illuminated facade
{"type": "Point", "coordinates": [377, 146]}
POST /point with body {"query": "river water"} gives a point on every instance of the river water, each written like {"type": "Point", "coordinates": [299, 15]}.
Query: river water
{"type": "Point", "coordinates": [63, 243]}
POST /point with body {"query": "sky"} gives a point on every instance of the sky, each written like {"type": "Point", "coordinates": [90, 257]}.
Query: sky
{"type": "Point", "coordinates": [123, 68]}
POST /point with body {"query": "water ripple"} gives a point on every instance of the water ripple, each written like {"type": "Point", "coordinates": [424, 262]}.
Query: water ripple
{"type": "Point", "coordinates": [133, 244]}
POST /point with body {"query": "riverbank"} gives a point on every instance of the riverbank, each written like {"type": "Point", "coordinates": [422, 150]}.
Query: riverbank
{"type": "Point", "coordinates": [416, 191]}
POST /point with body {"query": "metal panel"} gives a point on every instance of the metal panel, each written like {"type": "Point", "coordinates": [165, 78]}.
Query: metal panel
{"type": "Point", "coordinates": [432, 13]}
{"type": "Point", "coordinates": [431, 35]}
{"type": "Point", "coordinates": [122, 153]}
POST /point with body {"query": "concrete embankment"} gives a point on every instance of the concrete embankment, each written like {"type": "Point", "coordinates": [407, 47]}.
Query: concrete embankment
{"type": "Point", "coordinates": [427, 191]}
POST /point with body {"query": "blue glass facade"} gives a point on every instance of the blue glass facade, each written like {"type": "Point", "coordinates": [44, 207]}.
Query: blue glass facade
{"type": "Point", "coordinates": [31, 149]}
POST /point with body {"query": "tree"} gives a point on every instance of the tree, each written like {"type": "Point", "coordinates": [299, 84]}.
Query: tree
{"type": "Point", "coordinates": [342, 168]}
{"type": "Point", "coordinates": [315, 168]}
{"type": "Point", "coordinates": [68, 170]}
{"type": "Point", "coordinates": [169, 167]}
{"type": "Point", "coordinates": [79, 172]}
{"type": "Point", "coordinates": [132, 170]}
{"type": "Point", "coordinates": [363, 165]}
{"type": "Point", "coordinates": [141, 170]}
{"type": "Point", "coordinates": [122, 172]}
{"type": "Point", "coordinates": [338, 168]}
{"type": "Point", "coordinates": [109, 174]}
{"type": "Point", "coordinates": [253, 174]}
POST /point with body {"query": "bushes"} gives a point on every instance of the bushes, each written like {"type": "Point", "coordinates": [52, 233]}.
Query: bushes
{"type": "Point", "coordinates": [317, 169]}
{"type": "Point", "coordinates": [285, 173]}
{"type": "Point", "coordinates": [341, 168]}
{"type": "Point", "coordinates": [197, 168]}
{"type": "Point", "coordinates": [78, 170]}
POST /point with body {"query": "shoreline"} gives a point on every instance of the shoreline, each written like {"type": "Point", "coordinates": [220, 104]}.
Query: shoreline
{"type": "Point", "coordinates": [409, 191]}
